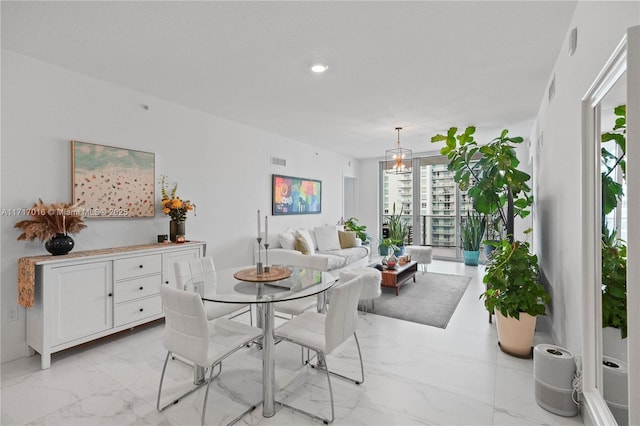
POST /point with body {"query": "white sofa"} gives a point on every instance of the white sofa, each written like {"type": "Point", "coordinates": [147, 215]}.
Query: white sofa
{"type": "Point", "coordinates": [326, 255]}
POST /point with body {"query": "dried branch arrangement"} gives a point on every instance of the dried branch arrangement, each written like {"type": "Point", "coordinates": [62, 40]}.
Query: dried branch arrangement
{"type": "Point", "coordinates": [48, 220]}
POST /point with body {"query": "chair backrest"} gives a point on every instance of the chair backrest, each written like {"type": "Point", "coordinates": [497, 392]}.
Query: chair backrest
{"type": "Point", "coordinates": [186, 330]}
{"type": "Point", "coordinates": [342, 315]}
{"type": "Point", "coordinates": [191, 274]}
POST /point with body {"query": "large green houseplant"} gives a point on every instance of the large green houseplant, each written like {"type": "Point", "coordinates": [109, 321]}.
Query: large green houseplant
{"type": "Point", "coordinates": [489, 173]}
{"type": "Point", "coordinates": [614, 282]}
{"type": "Point", "coordinates": [514, 294]}
{"type": "Point", "coordinates": [351, 224]}
{"type": "Point", "coordinates": [472, 231]}
{"type": "Point", "coordinates": [614, 250]}
{"type": "Point", "coordinates": [398, 229]}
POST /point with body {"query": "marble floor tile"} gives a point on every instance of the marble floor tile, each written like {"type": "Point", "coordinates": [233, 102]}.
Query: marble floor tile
{"type": "Point", "coordinates": [414, 375]}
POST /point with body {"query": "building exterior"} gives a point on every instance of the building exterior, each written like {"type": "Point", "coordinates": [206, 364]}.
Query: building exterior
{"type": "Point", "coordinates": [439, 204]}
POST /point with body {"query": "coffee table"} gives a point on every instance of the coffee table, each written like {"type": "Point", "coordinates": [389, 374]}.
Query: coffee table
{"type": "Point", "coordinates": [396, 277]}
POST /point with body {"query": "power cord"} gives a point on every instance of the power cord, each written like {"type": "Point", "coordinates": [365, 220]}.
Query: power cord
{"type": "Point", "coordinates": [576, 384]}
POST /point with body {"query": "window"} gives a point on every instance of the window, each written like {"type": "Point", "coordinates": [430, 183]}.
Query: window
{"type": "Point", "coordinates": [436, 222]}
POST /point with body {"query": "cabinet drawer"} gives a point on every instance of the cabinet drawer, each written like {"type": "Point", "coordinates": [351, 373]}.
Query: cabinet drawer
{"type": "Point", "coordinates": [125, 313]}
{"type": "Point", "coordinates": [137, 287]}
{"type": "Point", "coordinates": [138, 266]}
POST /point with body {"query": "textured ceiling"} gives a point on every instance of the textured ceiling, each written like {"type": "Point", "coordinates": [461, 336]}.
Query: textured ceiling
{"type": "Point", "coordinates": [423, 65]}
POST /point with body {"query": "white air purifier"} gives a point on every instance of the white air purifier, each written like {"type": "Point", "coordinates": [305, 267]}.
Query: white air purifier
{"type": "Point", "coordinates": [615, 377]}
{"type": "Point", "coordinates": [554, 369]}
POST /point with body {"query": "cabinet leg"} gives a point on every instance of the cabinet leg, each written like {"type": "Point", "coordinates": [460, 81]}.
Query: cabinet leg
{"type": "Point", "coordinates": [45, 360]}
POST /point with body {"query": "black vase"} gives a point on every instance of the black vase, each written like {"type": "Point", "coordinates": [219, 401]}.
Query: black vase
{"type": "Point", "coordinates": [59, 244]}
{"type": "Point", "coordinates": [176, 228]}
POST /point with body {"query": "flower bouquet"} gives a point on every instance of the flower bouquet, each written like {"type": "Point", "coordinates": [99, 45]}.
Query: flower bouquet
{"type": "Point", "coordinates": [176, 208]}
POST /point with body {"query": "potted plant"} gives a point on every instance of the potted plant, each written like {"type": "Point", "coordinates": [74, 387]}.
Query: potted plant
{"type": "Point", "coordinates": [384, 244]}
{"type": "Point", "coordinates": [361, 230]}
{"type": "Point", "coordinates": [614, 250]}
{"type": "Point", "coordinates": [614, 282]}
{"type": "Point", "coordinates": [494, 233]}
{"type": "Point", "coordinates": [52, 223]}
{"type": "Point", "coordinates": [176, 208]}
{"type": "Point", "coordinates": [398, 230]}
{"type": "Point", "coordinates": [471, 234]}
{"type": "Point", "coordinates": [515, 295]}
{"type": "Point", "coordinates": [493, 180]}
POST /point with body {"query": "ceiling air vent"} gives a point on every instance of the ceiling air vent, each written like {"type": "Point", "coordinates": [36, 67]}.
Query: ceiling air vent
{"type": "Point", "coordinates": [275, 161]}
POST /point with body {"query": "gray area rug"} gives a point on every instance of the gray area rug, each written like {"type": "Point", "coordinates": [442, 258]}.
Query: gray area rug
{"type": "Point", "coordinates": [431, 300]}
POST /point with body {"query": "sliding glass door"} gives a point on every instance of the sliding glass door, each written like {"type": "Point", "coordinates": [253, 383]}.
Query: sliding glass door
{"type": "Point", "coordinates": [431, 203]}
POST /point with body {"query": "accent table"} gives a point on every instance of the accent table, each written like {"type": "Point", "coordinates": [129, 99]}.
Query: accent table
{"type": "Point", "coordinates": [301, 283]}
{"type": "Point", "coordinates": [394, 278]}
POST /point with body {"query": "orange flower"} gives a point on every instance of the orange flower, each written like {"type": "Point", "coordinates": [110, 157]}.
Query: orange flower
{"type": "Point", "coordinates": [172, 205]}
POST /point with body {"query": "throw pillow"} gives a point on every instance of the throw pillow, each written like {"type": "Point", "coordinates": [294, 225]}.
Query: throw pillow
{"type": "Point", "coordinates": [287, 239]}
{"type": "Point", "coordinates": [347, 239]}
{"type": "Point", "coordinates": [307, 239]}
{"type": "Point", "coordinates": [327, 238]}
{"type": "Point", "coordinates": [300, 245]}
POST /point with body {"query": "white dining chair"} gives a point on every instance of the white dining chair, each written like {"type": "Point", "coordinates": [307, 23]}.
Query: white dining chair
{"type": "Point", "coordinates": [323, 333]}
{"type": "Point", "coordinates": [189, 334]}
{"type": "Point", "coordinates": [199, 275]}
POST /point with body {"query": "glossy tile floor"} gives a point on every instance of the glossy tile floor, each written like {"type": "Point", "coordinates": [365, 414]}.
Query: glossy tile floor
{"type": "Point", "coordinates": [415, 374]}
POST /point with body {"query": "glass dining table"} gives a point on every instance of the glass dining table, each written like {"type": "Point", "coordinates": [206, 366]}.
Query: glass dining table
{"type": "Point", "coordinates": [301, 283]}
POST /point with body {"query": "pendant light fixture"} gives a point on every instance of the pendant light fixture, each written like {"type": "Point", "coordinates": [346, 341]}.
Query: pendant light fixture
{"type": "Point", "coordinates": [398, 159]}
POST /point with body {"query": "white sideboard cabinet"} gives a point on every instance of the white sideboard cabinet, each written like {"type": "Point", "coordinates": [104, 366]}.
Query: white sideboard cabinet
{"type": "Point", "coordinates": [93, 294]}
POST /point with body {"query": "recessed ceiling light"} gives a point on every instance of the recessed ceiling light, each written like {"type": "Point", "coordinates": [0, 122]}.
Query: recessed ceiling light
{"type": "Point", "coordinates": [319, 68]}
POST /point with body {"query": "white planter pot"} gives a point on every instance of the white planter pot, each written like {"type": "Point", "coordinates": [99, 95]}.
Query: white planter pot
{"type": "Point", "coordinates": [516, 335]}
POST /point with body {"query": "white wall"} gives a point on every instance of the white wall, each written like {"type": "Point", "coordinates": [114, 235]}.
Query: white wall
{"type": "Point", "coordinates": [222, 166]}
{"type": "Point", "coordinates": [601, 26]}
{"type": "Point", "coordinates": [369, 195]}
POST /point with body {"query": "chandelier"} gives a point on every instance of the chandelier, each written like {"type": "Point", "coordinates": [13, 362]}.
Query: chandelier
{"type": "Point", "coordinates": [398, 159]}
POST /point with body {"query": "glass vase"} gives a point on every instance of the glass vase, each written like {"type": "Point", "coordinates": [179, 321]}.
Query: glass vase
{"type": "Point", "coordinates": [176, 227]}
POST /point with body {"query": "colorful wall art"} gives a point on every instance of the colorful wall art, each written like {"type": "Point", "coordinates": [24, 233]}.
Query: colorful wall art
{"type": "Point", "coordinates": [112, 182]}
{"type": "Point", "coordinates": [293, 195]}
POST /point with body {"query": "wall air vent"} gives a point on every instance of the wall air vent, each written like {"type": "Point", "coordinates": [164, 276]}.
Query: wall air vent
{"type": "Point", "coordinates": [275, 161]}
{"type": "Point", "coordinates": [552, 88]}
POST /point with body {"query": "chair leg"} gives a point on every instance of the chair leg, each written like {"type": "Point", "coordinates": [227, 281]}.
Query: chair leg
{"type": "Point", "coordinates": [357, 382]}
{"type": "Point", "coordinates": [330, 393]}
{"type": "Point", "coordinates": [360, 355]}
{"type": "Point", "coordinates": [313, 416]}
{"type": "Point", "coordinates": [206, 395]}
{"type": "Point", "coordinates": [189, 392]}
{"type": "Point", "coordinates": [164, 368]}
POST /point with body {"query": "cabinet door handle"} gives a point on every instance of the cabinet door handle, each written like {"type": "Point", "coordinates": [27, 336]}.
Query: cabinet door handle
{"type": "Point", "coordinates": [166, 282]}
{"type": "Point", "coordinates": [141, 288]}
{"type": "Point", "coordinates": [141, 266]}
{"type": "Point", "coordinates": [141, 309]}
{"type": "Point", "coordinates": [110, 294]}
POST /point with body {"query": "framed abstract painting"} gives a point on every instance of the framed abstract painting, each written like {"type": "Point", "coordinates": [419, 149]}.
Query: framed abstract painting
{"type": "Point", "coordinates": [112, 182]}
{"type": "Point", "coordinates": [294, 195]}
